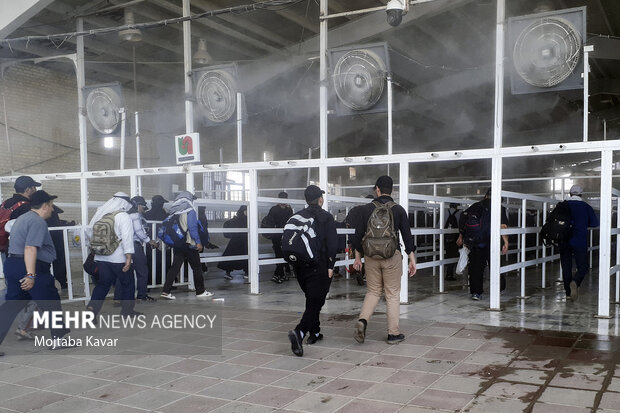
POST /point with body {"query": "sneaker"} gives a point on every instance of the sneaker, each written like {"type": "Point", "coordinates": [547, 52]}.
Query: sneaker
{"type": "Point", "coordinates": [475, 297]}
{"type": "Point", "coordinates": [574, 291]}
{"type": "Point", "coordinates": [204, 294]}
{"type": "Point", "coordinates": [360, 330]}
{"type": "Point", "coordinates": [295, 338]}
{"type": "Point", "coordinates": [246, 276]}
{"type": "Point", "coordinates": [276, 279]}
{"type": "Point", "coordinates": [146, 298]}
{"type": "Point", "coordinates": [228, 276]}
{"type": "Point", "coordinates": [168, 296]}
{"type": "Point", "coordinates": [23, 335]}
{"type": "Point", "coordinates": [395, 338]}
{"type": "Point", "coordinates": [313, 338]}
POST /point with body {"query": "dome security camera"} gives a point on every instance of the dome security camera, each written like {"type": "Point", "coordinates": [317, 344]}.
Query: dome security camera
{"type": "Point", "coordinates": [395, 10]}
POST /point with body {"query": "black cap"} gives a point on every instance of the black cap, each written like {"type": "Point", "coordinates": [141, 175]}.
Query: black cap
{"type": "Point", "coordinates": [384, 182]}
{"type": "Point", "coordinates": [158, 199]}
{"type": "Point", "coordinates": [313, 192]}
{"type": "Point", "coordinates": [138, 200]}
{"type": "Point", "coordinates": [283, 195]}
{"type": "Point", "coordinates": [24, 182]}
{"type": "Point", "coordinates": [41, 197]}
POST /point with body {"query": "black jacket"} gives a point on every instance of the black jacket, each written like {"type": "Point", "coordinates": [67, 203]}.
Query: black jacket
{"type": "Point", "coordinates": [279, 214]}
{"type": "Point", "coordinates": [401, 223]}
{"type": "Point", "coordinates": [326, 233]}
{"type": "Point", "coordinates": [15, 199]}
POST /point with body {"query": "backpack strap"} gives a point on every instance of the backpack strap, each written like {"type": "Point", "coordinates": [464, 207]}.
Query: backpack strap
{"type": "Point", "coordinates": [13, 207]}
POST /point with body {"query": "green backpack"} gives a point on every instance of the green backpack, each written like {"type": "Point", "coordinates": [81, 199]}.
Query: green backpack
{"type": "Point", "coordinates": [381, 239]}
{"type": "Point", "coordinates": [104, 240]}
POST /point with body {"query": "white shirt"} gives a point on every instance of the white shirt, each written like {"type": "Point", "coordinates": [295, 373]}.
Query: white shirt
{"type": "Point", "coordinates": [123, 227]}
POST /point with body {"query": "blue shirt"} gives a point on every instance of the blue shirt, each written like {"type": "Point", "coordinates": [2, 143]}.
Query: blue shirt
{"type": "Point", "coordinates": [583, 217]}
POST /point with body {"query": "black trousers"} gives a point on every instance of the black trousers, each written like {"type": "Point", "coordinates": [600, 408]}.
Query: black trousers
{"type": "Point", "coordinates": [315, 283]}
{"type": "Point", "coordinates": [452, 251]}
{"type": "Point", "coordinates": [479, 258]}
{"type": "Point", "coordinates": [566, 259]}
{"type": "Point", "coordinates": [280, 268]}
{"type": "Point", "coordinates": [193, 257]}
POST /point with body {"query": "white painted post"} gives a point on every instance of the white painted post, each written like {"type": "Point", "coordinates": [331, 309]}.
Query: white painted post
{"type": "Point", "coordinates": [323, 131]}
{"type": "Point", "coordinates": [123, 132]}
{"type": "Point", "coordinates": [239, 128]}
{"type": "Point", "coordinates": [187, 69]}
{"type": "Point", "coordinates": [544, 249]}
{"type": "Point", "coordinates": [403, 200]}
{"type": "Point", "coordinates": [189, 187]}
{"type": "Point", "coordinates": [441, 246]}
{"type": "Point", "coordinates": [253, 232]}
{"type": "Point", "coordinates": [523, 245]}
{"type": "Point", "coordinates": [496, 163]}
{"type": "Point", "coordinates": [604, 234]}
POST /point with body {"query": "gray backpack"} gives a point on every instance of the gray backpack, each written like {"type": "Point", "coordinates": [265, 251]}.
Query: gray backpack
{"type": "Point", "coordinates": [380, 240]}
{"type": "Point", "coordinates": [104, 240]}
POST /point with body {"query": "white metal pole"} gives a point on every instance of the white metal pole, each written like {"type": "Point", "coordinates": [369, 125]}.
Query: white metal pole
{"type": "Point", "coordinates": [187, 69]}
{"type": "Point", "coordinates": [586, 89]}
{"type": "Point", "coordinates": [604, 234]}
{"type": "Point", "coordinates": [403, 195]}
{"type": "Point", "coordinates": [253, 232]}
{"type": "Point", "coordinates": [133, 185]}
{"type": "Point", "coordinates": [544, 250]}
{"type": "Point", "coordinates": [81, 82]}
{"type": "Point", "coordinates": [434, 237]}
{"type": "Point", "coordinates": [523, 245]}
{"type": "Point", "coordinates": [617, 250]}
{"type": "Point", "coordinates": [123, 131]}
{"type": "Point", "coordinates": [441, 246]}
{"type": "Point", "coordinates": [138, 161]}
{"type": "Point", "coordinates": [496, 163]}
{"type": "Point", "coordinates": [323, 101]}
{"type": "Point", "coordinates": [239, 129]}
{"type": "Point", "coordinates": [389, 113]}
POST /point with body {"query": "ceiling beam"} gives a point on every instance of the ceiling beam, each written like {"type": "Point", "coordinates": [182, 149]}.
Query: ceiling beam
{"type": "Point", "coordinates": [209, 23]}
{"type": "Point", "coordinates": [15, 13]}
{"type": "Point", "coordinates": [296, 18]}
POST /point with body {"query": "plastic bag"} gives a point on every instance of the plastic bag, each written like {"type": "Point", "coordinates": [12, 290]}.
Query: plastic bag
{"type": "Point", "coordinates": [463, 260]}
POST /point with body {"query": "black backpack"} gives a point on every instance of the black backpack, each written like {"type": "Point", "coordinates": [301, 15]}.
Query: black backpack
{"type": "Point", "coordinates": [268, 222]}
{"type": "Point", "coordinates": [558, 227]}
{"type": "Point", "coordinates": [300, 245]}
{"type": "Point", "coordinates": [477, 231]}
{"type": "Point", "coordinates": [451, 223]}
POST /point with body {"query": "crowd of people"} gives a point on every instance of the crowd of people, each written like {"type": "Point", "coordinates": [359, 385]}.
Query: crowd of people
{"type": "Point", "coordinates": [122, 247]}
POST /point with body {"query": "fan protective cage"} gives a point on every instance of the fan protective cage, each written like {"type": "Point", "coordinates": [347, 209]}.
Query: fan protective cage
{"type": "Point", "coordinates": [216, 94]}
{"type": "Point", "coordinates": [103, 105]}
{"type": "Point", "coordinates": [546, 51]}
{"type": "Point", "coordinates": [359, 79]}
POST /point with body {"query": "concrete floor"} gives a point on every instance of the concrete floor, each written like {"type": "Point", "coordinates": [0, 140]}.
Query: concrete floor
{"type": "Point", "coordinates": [542, 355]}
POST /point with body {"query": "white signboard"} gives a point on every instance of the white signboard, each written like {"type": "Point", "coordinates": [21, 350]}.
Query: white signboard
{"type": "Point", "coordinates": [187, 148]}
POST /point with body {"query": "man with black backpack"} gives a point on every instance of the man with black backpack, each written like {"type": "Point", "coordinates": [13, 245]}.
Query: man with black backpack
{"type": "Point", "coordinates": [582, 217]}
{"type": "Point", "coordinates": [376, 235]}
{"type": "Point", "coordinates": [452, 250]}
{"type": "Point", "coordinates": [276, 218]}
{"type": "Point", "coordinates": [309, 243]}
{"type": "Point", "coordinates": [475, 233]}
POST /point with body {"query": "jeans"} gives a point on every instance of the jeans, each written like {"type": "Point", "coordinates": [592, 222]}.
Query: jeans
{"type": "Point", "coordinates": [44, 293]}
{"type": "Point", "coordinates": [566, 259]}
{"type": "Point", "coordinates": [315, 283]}
{"type": "Point", "coordinates": [193, 257]}
{"type": "Point", "coordinates": [383, 275]}
{"type": "Point", "coordinates": [142, 273]}
{"type": "Point", "coordinates": [109, 273]}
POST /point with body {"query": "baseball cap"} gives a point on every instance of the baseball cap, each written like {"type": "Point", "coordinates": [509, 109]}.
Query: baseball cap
{"type": "Point", "coordinates": [138, 200]}
{"type": "Point", "coordinates": [313, 192]}
{"type": "Point", "coordinates": [384, 182]}
{"type": "Point", "coordinates": [283, 195]}
{"type": "Point", "coordinates": [576, 190]}
{"type": "Point", "coordinates": [41, 197]}
{"type": "Point", "coordinates": [24, 182]}
{"type": "Point", "coordinates": [158, 199]}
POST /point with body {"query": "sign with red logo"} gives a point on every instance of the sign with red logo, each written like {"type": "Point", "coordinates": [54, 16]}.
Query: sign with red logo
{"type": "Point", "coordinates": [187, 148]}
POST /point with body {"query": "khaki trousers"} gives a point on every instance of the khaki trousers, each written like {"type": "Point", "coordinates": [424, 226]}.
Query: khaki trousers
{"type": "Point", "coordinates": [383, 275]}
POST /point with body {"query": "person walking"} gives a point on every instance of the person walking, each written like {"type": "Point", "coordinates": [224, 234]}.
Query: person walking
{"type": "Point", "coordinates": [140, 238]}
{"type": "Point", "coordinates": [314, 279]}
{"type": "Point", "coordinates": [157, 213]}
{"type": "Point", "coordinates": [382, 256]}
{"type": "Point", "coordinates": [451, 249]}
{"type": "Point", "coordinates": [183, 210]}
{"type": "Point", "coordinates": [277, 217]}
{"type": "Point", "coordinates": [28, 266]}
{"type": "Point", "coordinates": [582, 218]}
{"type": "Point", "coordinates": [475, 233]}
{"type": "Point", "coordinates": [238, 244]}
{"type": "Point", "coordinates": [110, 233]}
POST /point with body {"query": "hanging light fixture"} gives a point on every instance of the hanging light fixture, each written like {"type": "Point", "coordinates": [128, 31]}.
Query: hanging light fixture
{"type": "Point", "coordinates": [201, 56]}
{"type": "Point", "coordinates": [130, 35]}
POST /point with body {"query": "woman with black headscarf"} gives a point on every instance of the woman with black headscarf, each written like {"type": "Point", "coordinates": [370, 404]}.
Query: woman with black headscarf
{"type": "Point", "coordinates": [238, 244]}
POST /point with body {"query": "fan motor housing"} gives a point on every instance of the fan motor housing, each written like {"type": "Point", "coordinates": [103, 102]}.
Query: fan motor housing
{"type": "Point", "coordinates": [546, 50]}
{"type": "Point", "coordinates": [215, 90]}
{"type": "Point", "coordinates": [103, 103]}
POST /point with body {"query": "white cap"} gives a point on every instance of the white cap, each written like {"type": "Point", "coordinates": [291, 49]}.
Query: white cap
{"type": "Point", "coordinates": [576, 190]}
